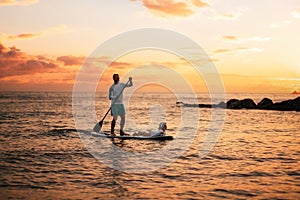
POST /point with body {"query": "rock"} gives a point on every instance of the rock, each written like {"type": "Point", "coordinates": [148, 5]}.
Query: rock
{"type": "Point", "coordinates": [296, 103]}
{"type": "Point", "coordinates": [233, 104]}
{"type": "Point", "coordinates": [221, 105]}
{"type": "Point", "coordinates": [248, 104]}
{"type": "Point", "coordinates": [179, 103]}
{"type": "Point", "coordinates": [288, 105]}
{"type": "Point", "coordinates": [266, 103]}
{"type": "Point", "coordinates": [190, 105]}
{"type": "Point", "coordinates": [239, 104]}
{"type": "Point", "coordinates": [205, 105]}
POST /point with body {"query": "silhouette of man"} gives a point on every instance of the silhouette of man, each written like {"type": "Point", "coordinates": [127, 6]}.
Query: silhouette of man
{"type": "Point", "coordinates": [117, 107]}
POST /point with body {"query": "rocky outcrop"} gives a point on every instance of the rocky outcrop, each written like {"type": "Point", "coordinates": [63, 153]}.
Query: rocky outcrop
{"type": "Point", "coordinates": [233, 104]}
{"type": "Point", "coordinates": [288, 105]}
{"type": "Point", "coordinates": [220, 105]}
{"type": "Point", "coordinates": [248, 104]}
{"type": "Point", "coordinates": [239, 104]}
{"type": "Point", "coordinates": [264, 104]}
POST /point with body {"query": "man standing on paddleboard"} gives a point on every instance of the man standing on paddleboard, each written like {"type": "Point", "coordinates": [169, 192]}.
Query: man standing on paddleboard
{"type": "Point", "coordinates": [117, 106]}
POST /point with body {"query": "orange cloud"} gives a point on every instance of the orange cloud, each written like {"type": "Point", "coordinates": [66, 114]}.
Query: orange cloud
{"type": "Point", "coordinates": [199, 3]}
{"type": "Point", "coordinates": [173, 7]}
{"type": "Point", "coordinates": [231, 38]}
{"type": "Point", "coordinates": [186, 8]}
{"type": "Point", "coordinates": [169, 7]}
{"type": "Point", "coordinates": [24, 36]}
{"type": "Point", "coordinates": [237, 50]}
{"type": "Point", "coordinates": [21, 71]}
{"type": "Point", "coordinates": [56, 29]}
{"type": "Point", "coordinates": [17, 2]}
{"type": "Point", "coordinates": [13, 62]}
{"type": "Point", "coordinates": [116, 64]}
{"type": "Point", "coordinates": [71, 60]}
{"type": "Point", "coordinates": [222, 51]}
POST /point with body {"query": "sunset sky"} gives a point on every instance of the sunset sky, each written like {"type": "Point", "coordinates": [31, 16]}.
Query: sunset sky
{"type": "Point", "coordinates": [255, 45]}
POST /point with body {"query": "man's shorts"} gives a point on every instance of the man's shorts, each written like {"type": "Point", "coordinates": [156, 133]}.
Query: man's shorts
{"type": "Point", "coordinates": [117, 109]}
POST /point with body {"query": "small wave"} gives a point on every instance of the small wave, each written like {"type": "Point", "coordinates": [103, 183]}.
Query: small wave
{"type": "Point", "coordinates": [225, 157]}
{"type": "Point", "coordinates": [25, 157]}
{"type": "Point", "coordinates": [4, 117]}
{"type": "Point", "coordinates": [236, 192]}
{"type": "Point", "coordinates": [293, 173]}
{"type": "Point", "coordinates": [27, 186]}
{"type": "Point", "coordinates": [286, 159]}
{"type": "Point", "coordinates": [171, 176]}
{"type": "Point", "coordinates": [189, 156]}
{"type": "Point", "coordinates": [60, 132]}
{"type": "Point", "coordinates": [250, 174]}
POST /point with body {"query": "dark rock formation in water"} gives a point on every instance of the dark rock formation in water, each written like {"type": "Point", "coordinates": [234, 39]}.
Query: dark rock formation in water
{"type": "Point", "coordinates": [233, 104]}
{"type": "Point", "coordinates": [248, 104]}
{"type": "Point", "coordinates": [292, 104]}
{"type": "Point", "coordinates": [264, 104]}
{"type": "Point", "coordinates": [239, 104]}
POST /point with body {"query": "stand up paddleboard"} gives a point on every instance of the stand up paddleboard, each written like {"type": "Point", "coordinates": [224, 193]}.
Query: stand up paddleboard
{"type": "Point", "coordinates": [165, 137]}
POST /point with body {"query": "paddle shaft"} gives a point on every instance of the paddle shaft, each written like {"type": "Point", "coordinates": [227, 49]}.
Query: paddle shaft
{"type": "Point", "coordinates": [115, 101]}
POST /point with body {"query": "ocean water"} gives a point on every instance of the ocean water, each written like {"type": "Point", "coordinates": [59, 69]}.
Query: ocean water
{"type": "Point", "coordinates": [44, 156]}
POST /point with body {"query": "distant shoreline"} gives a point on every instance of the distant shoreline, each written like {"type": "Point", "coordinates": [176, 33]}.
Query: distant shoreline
{"type": "Point", "coordinates": [264, 104]}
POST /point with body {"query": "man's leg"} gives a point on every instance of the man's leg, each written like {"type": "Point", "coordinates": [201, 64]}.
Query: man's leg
{"type": "Point", "coordinates": [122, 123]}
{"type": "Point", "coordinates": [113, 124]}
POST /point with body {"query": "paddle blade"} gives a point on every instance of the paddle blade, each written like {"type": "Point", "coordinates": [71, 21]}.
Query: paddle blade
{"type": "Point", "coordinates": [98, 126]}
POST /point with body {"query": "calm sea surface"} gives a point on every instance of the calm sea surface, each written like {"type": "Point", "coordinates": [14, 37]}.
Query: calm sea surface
{"type": "Point", "coordinates": [42, 155]}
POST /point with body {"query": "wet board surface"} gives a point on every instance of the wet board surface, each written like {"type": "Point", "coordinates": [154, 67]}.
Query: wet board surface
{"type": "Point", "coordinates": [134, 137]}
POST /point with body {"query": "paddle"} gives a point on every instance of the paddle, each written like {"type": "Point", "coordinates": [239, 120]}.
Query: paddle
{"type": "Point", "coordinates": [98, 126]}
